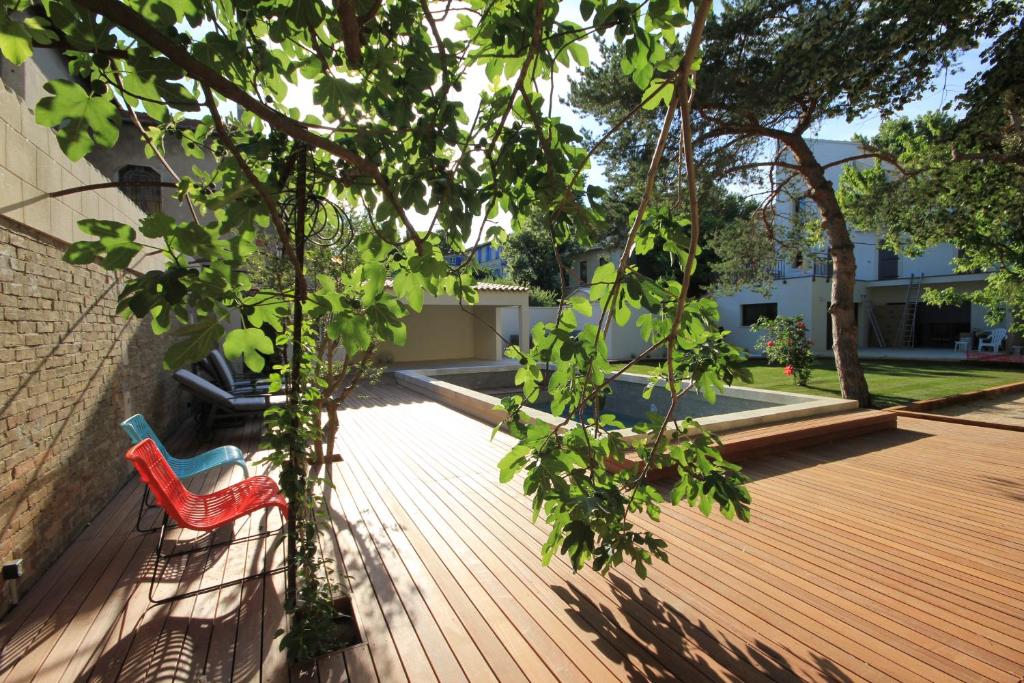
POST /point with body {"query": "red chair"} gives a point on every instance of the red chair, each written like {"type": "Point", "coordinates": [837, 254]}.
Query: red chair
{"type": "Point", "coordinates": [201, 512]}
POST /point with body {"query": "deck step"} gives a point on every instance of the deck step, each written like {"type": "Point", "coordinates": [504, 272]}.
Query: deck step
{"type": "Point", "coordinates": [787, 436]}
{"type": "Point", "coordinates": [741, 445]}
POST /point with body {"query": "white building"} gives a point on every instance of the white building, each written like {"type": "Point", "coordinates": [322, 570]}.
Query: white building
{"type": "Point", "coordinates": [887, 289]}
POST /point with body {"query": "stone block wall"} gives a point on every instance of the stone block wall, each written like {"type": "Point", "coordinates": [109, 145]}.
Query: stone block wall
{"type": "Point", "coordinates": [70, 368]}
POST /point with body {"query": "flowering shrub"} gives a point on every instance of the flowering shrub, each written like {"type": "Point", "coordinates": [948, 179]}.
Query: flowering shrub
{"type": "Point", "coordinates": [785, 343]}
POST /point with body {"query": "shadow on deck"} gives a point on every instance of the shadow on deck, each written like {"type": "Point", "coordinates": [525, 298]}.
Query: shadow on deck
{"type": "Point", "coordinates": [895, 555]}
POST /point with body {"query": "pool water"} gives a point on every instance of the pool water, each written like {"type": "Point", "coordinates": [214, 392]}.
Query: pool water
{"type": "Point", "coordinates": [628, 404]}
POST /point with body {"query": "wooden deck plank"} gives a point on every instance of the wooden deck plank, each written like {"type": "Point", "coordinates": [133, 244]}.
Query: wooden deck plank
{"type": "Point", "coordinates": [595, 605]}
{"type": "Point", "coordinates": [517, 643]}
{"type": "Point", "coordinates": [434, 425]}
{"type": "Point", "coordinates": [648, 593]}
{"type": "Point", "coordinates": [921, 613]}
{"type": "Point", "coordinates": [459, 657]}
{"type": "Point", "coordinates": [553, 642]}
{"type": "Point", "coordinates": [35, 621]}
{"type": "Point", "coordinates": [143, 641]}
{"type": "Point", "coordinates": [207, 614]}
{"type": "Point", "coordinates": [381, 648]}
{"type": "Point", "coordinates": [359, 664]}
{"type": "Point", "coordinates": [893, 556]}
{"type": "Point", "coordinates": [600, 672]}
{"type": "Point", "coordinates": [155, 646]}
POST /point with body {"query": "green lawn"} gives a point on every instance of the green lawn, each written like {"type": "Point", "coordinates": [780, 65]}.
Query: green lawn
{"type": "Point", "coordinates": [891, 382]}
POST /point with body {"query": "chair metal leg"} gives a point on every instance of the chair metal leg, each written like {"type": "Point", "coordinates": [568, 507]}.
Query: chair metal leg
{"type": "Point", "coordinates": [147, 504]}
{"type": "Point", "coordinates": [161, 557]}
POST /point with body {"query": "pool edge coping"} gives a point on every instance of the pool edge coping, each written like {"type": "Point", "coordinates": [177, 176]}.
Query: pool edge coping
{"type": "Point", "coordinates": [488, 409]}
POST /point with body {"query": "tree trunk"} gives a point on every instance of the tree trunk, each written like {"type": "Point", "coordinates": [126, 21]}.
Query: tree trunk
{"type": "Point", "coordinates": [844, 274]}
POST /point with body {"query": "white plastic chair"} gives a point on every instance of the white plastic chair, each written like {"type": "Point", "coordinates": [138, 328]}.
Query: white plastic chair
{"type": "Point", "coordinates": [995, 339]}
{"type": "Point", "coordinates": [962, 344]}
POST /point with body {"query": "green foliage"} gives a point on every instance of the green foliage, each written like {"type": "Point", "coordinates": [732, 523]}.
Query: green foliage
{"type": "Point", "coordinates": [959, 182]}
{"type": "Point", "coordinates": [530, 254]}
{"type": "Point", "coordinates": [198, 339]}
{"type": "Point", "coordinates": [785, 343]}
{"type": "Point", "coordinates": [543, 297]}
{"type": "Point", "coordinates": [297, 427]}
{"type": "Point", "coordinates": [114, 250]}
{"type": "Point", "coordinates": [573, 472]}
{"type": "Point", "coordinates": [251, 343]}
{"type": "Point", "coordinates": [892, 382]}
{"type": "Point", "coordinates": [81, 121]}
{"type": "Point", "coordinates": [385, 145]}
{"type": "Point", "coordinates": [771, 71]}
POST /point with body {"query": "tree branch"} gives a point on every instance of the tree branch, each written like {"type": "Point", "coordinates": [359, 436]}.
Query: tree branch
{"type": "Point", "coordinates": [350, 28]}
{"type": "Point", "coordinates": [103, 186]}
{"type": "Point", "coordinates": [134, 23]}
{"type": "Point", "coordinates": [261, 189]}
{"type": "Point", "coordinates": [152, 146]}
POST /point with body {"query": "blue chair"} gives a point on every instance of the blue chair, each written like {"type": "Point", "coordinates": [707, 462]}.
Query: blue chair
{"type": "Point", "coordinates": [138, 430]}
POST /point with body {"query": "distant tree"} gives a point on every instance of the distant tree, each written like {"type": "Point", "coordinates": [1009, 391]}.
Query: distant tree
{"type": "Point", "coordinates": [770, 72]}
{"type": "Point", "coordinates": [722, 213]}
{"type": "Point", "coordinates": [530, 255]}
{"type": "Point", "coordinates": [959, 182]}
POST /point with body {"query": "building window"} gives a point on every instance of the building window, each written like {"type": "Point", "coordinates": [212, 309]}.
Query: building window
{"type": "Point", "coordinates": [146, 196]}
{"type": "Point", "coordinates": [584, 275]}
{"type": "Point", "coordinates": [754, 312]}
{"type": "Point", "coordinates": [888, 264]}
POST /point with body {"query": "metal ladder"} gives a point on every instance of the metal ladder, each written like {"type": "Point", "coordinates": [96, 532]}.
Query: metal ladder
{"type": "Point", "coordinates": [908, 322]}
{"type": "Point", "coordinates": [873, 325]}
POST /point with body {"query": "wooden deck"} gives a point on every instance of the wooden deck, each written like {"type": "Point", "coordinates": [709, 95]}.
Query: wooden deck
{"type": "Point", "coordinates": [894, 556]}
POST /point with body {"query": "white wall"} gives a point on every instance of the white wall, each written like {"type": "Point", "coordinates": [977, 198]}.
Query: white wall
{"type": "Point", "coordinates": [593, 259]}
{"type": "Point", "coordinates": [934, 261]}
{"type": "Point", "coordinates": [800, 294]}
{"type": "Point", "coordinates": [509, 316]}
{"type": "Point", "coordinates": [792, 297]}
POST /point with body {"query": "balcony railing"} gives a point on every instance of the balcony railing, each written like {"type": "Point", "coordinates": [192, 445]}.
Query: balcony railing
{"type": "Point", "coordinates": [779, 272]}
{"type": "Point", "coordinates": [823, 269]}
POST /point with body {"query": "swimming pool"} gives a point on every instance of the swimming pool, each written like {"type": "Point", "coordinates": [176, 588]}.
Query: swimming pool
{"type": "Point", "coordinates": [477, 390]}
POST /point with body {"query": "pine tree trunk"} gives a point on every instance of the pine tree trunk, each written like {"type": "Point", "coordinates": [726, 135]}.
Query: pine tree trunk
{"type": "Point", "coordinates": [844, 275]}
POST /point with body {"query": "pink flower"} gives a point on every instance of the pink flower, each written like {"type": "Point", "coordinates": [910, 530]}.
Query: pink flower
{"type": "Point", "coordinates": [801, 325]}
{"type": "Point", "coordinates": [770, 344]}
{"type": "Point", "coordinates": [788, 370]}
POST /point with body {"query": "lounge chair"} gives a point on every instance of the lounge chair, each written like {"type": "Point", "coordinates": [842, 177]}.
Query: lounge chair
{"type": "Point", "coordinates": [994, 340]}
{"type": "Point", "coordinates": [139, 430]}
{"type": "Point", "coordinates": [207, 512]}
{"type": "Point", "coordinates": [222, 402]}
{"type": "Point", "coordinates": [227, 380]}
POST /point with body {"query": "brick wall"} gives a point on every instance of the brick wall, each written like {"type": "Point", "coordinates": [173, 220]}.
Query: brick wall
{"type": "Point", "coordinates": [70, 368]}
